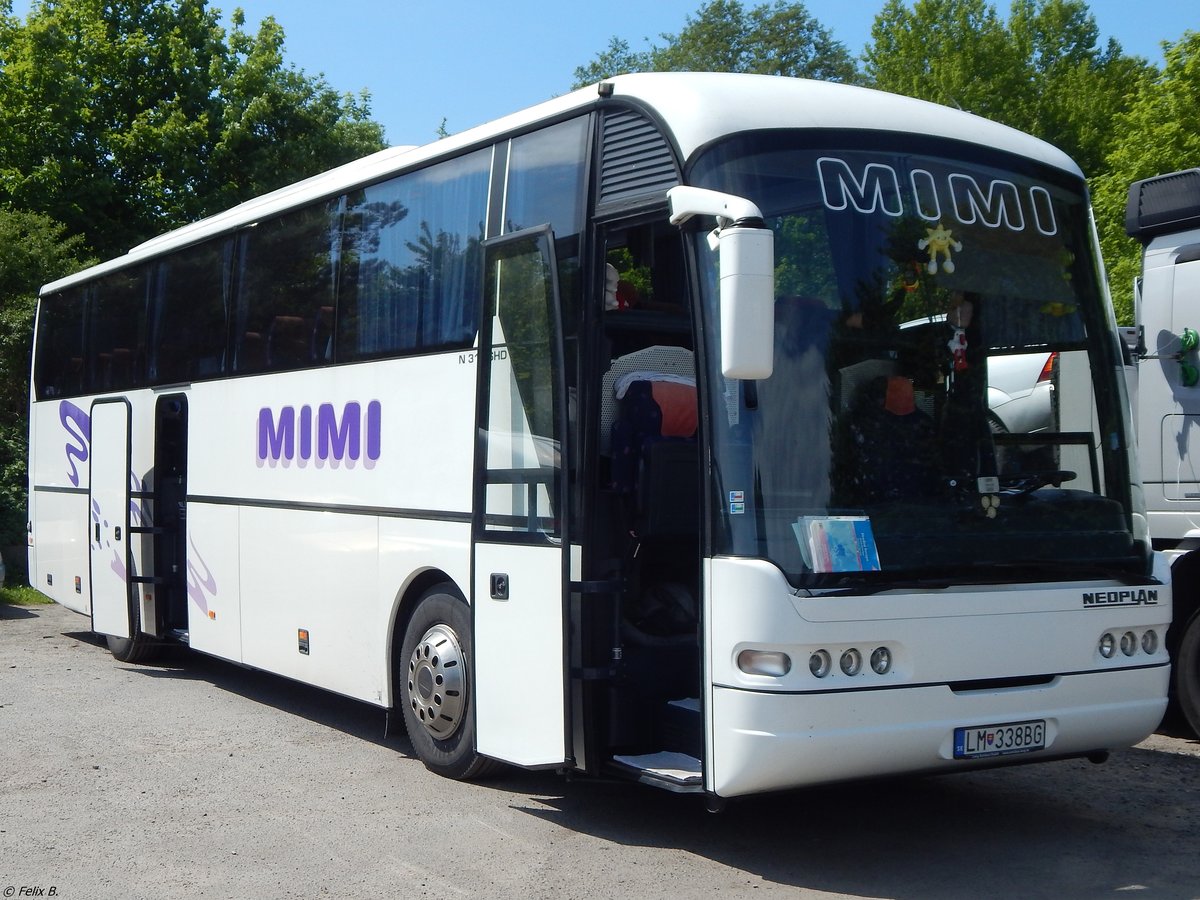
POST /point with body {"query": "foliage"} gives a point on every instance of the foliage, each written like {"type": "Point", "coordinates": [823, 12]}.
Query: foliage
{"type": "Point", "coordinates": [1157, 134]}
{"type": "Point", "coordinates": [1041, 71]}
{"type": "Point", "coordinates": [122, 118]}
{"type": "Point", "coordinates": [953, 52]}
{"type": "Point", "coordinates": [769, 39]}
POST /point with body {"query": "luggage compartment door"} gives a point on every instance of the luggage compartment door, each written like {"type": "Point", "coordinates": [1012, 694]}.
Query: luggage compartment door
{"type": "Point", "coordinates": [108, 502]}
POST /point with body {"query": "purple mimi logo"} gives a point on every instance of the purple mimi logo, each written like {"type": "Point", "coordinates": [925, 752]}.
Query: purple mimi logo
{"type": "Point", "coordinates": [306, 434]}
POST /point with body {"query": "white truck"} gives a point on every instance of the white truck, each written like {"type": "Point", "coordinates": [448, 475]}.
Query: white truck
{"type": "Point", "coordinates": [1163, 213]}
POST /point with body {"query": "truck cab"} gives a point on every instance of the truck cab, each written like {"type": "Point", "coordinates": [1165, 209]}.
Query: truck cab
{"type": "Point", "coordinates": [1163, 213]}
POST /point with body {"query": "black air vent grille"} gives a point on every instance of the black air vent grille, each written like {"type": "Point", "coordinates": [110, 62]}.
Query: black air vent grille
{"type": "Point", "coordinates": [637, 163]}
{"type": "Point", "coordinates": [1163, 204]}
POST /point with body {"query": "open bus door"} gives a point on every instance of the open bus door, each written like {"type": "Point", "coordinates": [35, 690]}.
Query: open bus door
{"type": "Point", "coordinates": [108, 501]}
{"type": "Point", "coordinates": [520, 572]}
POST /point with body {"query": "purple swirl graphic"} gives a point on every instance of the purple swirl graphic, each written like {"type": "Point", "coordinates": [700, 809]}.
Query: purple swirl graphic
{"type": "Point", "coordinates": [78, 425]}
{"type": "Point", "coordinates": [200, 581]}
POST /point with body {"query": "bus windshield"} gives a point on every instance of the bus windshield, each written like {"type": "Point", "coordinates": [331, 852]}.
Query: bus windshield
{"type": "Point", "coordinates": [947, 395]}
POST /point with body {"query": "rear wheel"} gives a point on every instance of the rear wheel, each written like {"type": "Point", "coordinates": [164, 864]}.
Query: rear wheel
{"type": "Point", "coordinates": [1187, 673]}
{"type": "Point", "coordinates": [434, 686]}
{"type": "Point", "coordinates": [139, 648]}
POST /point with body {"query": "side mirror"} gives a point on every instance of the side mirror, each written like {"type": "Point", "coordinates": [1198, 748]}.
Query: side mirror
{"type": "Point", "coordinates": [747, 261]}
{"type": "Point", "coordinates": [746, 258]}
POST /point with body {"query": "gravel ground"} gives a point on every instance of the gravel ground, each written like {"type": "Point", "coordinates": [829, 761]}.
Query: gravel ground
{"type": "Point", "coordinates": [195, 778]}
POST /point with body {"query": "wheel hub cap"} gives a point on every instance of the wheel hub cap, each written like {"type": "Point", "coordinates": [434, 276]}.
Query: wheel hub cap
{"type": "Point", "coordinates": [436, 680]}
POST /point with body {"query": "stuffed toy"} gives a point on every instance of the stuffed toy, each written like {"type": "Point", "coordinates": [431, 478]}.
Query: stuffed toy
{"type": "Point", "coordinates": [939, 242]}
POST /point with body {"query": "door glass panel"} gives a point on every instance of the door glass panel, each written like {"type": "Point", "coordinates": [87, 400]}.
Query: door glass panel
{"type": "Point", "coordinates": [522, 427]}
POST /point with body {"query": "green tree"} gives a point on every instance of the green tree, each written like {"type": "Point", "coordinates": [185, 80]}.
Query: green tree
{"type": "Point", "coordinates": [278, 124]}
{"type": "Point", "coordinates": [1041, 71]}
{"type": "Point", "coordinates": [1158, 133]}
{"type": "Point", "coordinates": [724, 36]}
{"type": "Point", "coordinates": [953, 52]}
{"type": "Point", "coordinates": [1073, 87]}
{"type": "Point", "coordinates": [616, 59]}
{"type": "Point", "coordinates": [122, 118]}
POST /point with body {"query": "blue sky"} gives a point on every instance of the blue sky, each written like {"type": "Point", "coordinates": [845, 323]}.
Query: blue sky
{"type": "Point", "coordinates": [470, 61]}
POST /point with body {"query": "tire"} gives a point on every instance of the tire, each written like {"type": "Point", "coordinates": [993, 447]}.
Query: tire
{"type": "Point", "coordinates": [137, 649]}
{"type": "Point", "coordinates": [433, 684]}
{"type": "Point", "coordinates": [1187, 674]}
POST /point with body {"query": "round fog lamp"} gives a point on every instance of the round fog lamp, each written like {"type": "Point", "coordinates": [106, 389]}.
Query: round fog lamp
{"type": "Point", "coordinates": [851, 662]}
{"type": "Point", "coordinates": [1129, 643]}
{"type": "Point", "coordinates": [820, 663]}
{"type": "Point", "coordinates": [881, 661]}
{"type": "Point", "coordinates": [1150, 642]}
{"type": "Point", "coordinates": [1108, 645]}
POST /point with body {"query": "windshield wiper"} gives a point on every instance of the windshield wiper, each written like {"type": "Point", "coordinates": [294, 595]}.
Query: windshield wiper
{"type": "Point", "coordinates": [1080, 570]}
{"type": "Point", "coordinates": [1023, 484]}
{"type": "Point", "coordinates": [867, 588]}
{"type": "Point", "coordinates": [989, 572]}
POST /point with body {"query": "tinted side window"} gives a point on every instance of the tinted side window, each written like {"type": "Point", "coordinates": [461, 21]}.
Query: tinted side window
{"type": "Point", "coordinates": [116, 348]}
{"type": "Point", "coordinates": [286, 293]}
{"type": "Point", "coordinates": [546, 171]}
{"type": "Point", "coordinates": [412, 264]}
{"type": "Point", "coordinates": [547, 179]}
{"type": "Point", "coordinates": [58, 370]}
{"type": "Point", "coordinates": [191, 322]}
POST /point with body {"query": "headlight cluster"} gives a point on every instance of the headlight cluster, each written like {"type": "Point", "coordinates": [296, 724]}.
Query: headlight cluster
{"type": "Point", "coordinates": [1128, 643]}
{"type": "Point", "coordinates": [850, 662]}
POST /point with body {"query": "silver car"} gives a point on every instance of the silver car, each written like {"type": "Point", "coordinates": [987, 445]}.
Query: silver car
{"type": "Point", "coordinates": [1021, 392]}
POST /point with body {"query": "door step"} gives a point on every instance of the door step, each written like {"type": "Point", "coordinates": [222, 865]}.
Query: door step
{"type": "Point", "coordinates": [676, 767]}
{"type": "Point", "coordinates": [666, 769]}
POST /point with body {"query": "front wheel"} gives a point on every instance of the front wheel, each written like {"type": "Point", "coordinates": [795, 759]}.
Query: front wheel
{"type": "Point", "coordinates": [434, 686]}
{"type": "Point", "coordinates": [1187, 674]}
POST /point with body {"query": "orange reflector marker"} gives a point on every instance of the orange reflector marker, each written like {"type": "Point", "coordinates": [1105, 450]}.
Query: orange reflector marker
{"type": "Point", "coordinates": [212, 614]}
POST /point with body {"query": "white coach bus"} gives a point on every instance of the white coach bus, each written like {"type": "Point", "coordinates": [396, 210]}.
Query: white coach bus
{"type": "Point", "coordinates": [642, 432]}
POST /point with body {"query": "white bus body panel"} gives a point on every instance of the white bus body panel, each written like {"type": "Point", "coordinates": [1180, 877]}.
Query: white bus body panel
{"type": "Point", "coordinates": [58, 479]}
{"type": "Point", "coordinates": [767, 733]}
{"type": "Point", "coordinates": [425, 453]}
{"type": "Point", "coordinates": [292, 541]}
{"type": "Point", "coordinates": [109, 520]}
{"type": "Point", "coordinates": [61, 552]}
{"type": "Point", "coordinates": [214, 580]}
{"type": "Point", "coordinates": [314, 571]}
{"type": "Point", "coordinates": [276, 545]}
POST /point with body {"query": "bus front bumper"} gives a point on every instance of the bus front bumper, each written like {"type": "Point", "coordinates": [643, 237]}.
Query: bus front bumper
{"type": "Point", "coordinates": [764, 741]}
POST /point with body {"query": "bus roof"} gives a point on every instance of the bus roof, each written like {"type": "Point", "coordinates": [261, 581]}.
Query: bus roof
{"type": "Point", "coordinates": [696, 107]}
